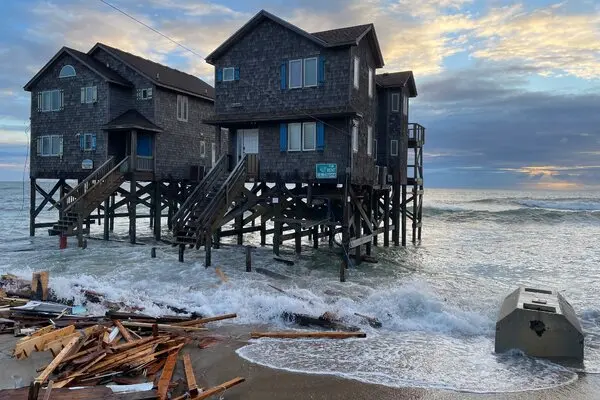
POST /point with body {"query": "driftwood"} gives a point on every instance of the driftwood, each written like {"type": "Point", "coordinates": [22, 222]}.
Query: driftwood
{"type": "Point", "coordinates": [162, 327]}
{"type": "Point", "coordinates": [283, 260]}
{"type": "Point", "coordinates": [271, 274]}
{"type": "Point", "coordinates": [201, 321]}
{"type": "Point", "coordinates": [218, 389]}
{"type": "Point", "coordinates": [374, 322]}
{"type": "Point", "coordinates": [189, 375]}
{"type": "Point", "coordinates": [326, 323]}
{"type": "Point", "coordinates": [165, 377]}
{"type": "Point", "coordinates": [311, 335]}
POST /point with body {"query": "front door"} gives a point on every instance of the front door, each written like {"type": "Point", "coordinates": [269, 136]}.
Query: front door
{"type": "Point", "coordinates": [247, 142]}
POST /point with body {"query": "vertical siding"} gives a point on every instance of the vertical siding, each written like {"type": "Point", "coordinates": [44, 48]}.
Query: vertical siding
{"type": "Point", "coordinates": [75, 118]}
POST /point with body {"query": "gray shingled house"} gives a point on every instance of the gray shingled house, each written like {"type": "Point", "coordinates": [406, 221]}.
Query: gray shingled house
{"type": "Point", "coordinates": [94, 111]}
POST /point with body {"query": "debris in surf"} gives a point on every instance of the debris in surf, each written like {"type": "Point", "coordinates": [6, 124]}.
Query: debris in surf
{"type": "Point", "coordinates": [283, 260]}
{"type": "Point", "coordinates": [271, 274]}
{"type": "Point", "coordinates": [373, 322]}
{"type": "Point", "coordinates": [326, 321]}
{"type": "Point", "coordinates": [308, 335]}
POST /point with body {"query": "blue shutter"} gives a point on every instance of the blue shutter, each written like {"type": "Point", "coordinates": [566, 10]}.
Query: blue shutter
{"type": "Point", "coordinates": [320, 136]}
{"type": "Point", "coordinates": [93, 141]}
{"type": "Point", "coordinates": [81, 141]}
{"type": "Point", "coordinates": [236, 75]}
{"type": "Point", "coordinates": [283, 137]}
{"type": "Point", "coordinates": [321, 71]}
{"type": "Point", "coordinates": [219, 75]}
{"type": "Point", "coordinates": [284, 75]}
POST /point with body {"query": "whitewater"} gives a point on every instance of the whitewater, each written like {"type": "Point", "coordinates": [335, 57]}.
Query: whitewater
{"type": "Point", "coordinates": [437, 301]}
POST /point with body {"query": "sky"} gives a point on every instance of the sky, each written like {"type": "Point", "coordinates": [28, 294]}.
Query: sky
{"type": "Point", "coordinates": [509, 91]}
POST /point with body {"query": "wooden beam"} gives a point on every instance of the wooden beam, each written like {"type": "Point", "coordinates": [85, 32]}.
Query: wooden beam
{"type": "Point", "coordinates": [166, 374]}
{"type": "Point", "coordinates": [124, 332]}
{"type": "Point", "coordinates": [312, 335]}
{"type": "Point", "coordinates": [205, 320]}
{"type": "Point", "coordinates": [362, 212]}
{"type": "Point", "coordinates": [365, 239]}
{"type": "Point", "coordinates": [218, 389]}
{"type": "Point", "coordinates": [57, 360]}
{"type": "Point", "coordinates": [189, 375]}
{"type": "Point", "coordinates": [162, 327]}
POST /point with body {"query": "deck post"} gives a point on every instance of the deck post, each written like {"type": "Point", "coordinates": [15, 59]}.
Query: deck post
{"type": "Point", "coordinates": [263, 230]}
{"type": "Point", "coordinates": [32, 193]}
{"type": "Point", "coordinates": [207, 248]}
{"type": "Point", "coordinates": [386, 218]}
{"type": "Point", "coordinates": [369, 205]}
{"type": "Point", "coordinates": [277, 217]}
{"type": "Point", "coordinates": [375, 215]}
{"type": "Point", "coordinates": [239, 222]}
{"type": "Point", "coordinates": [62, 192]}
{"type": "Point", "coordinates": [181, 251]}
{"type": "Point", "coordinates": [404, 215]}
{"type": "Point", "coordinates": [345, 229]}
{"type": "Point", "coordinates": [106, 218]}
{"type": "Point", "coordinates": [298, 238]}
{"type": "Point", "coordinates": [157, 210]}
{"type": "Point", "coordinates": [396, 206]}
{"type": "Point", "coordinates": [132, 209]}
{"type": "Point", "coordinates": [357, 233]}
{"type": "Point", "coordinates": [217, 238]}
{"type": "Point", "coordinates": [316, 237]}
{"type": "Point", "coordinates": [248, 258]}
{"type": "Point", "coordinates": [112, 213]}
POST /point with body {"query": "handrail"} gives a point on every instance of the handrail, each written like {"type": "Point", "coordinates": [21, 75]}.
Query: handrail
{"type": "Point", "coordinates": [84, 184]}
{"type": "Point", "coordinates": [416, 132]}
{"type": "Point", "coordinates": [76, 200]}
{"type": "Point", "coordinates": [186, 209]}
{"type": "Point", "coordinates": [224, 192]}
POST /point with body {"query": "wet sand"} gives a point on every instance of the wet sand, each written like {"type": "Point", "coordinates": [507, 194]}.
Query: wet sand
{"type": "Point", "coordinates": [220, 363]}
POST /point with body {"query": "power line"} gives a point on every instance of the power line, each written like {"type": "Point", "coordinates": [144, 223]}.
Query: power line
{"type": "Point", "coordinates": [204, 59]}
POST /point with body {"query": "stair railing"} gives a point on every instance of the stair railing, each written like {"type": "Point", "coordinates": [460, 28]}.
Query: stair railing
{"type": "Point", "coordinates": [187, 209]}
{"type": "Point", "coordinates": [100, 176]}
{"type": "Point", "coordinates": [85, 184]}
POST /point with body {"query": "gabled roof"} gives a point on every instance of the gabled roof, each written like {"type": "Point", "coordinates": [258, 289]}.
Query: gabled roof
{"type": "Point", "coordinates": [349, 36]}
{"type": "Point", "coordinates": [161, 75]}
{"type": "Point", "coordinates": [131, 119]}
{"type": "Point", "coordinates": [96, 66]}
{"type": "Point", "coordinates": [398, 79]}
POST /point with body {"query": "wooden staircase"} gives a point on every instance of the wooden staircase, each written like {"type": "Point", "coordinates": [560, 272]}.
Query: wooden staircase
{"type": "Point", "coordinates": [201, 213]}
{"type": "Point", "coordinates": [80, 202]}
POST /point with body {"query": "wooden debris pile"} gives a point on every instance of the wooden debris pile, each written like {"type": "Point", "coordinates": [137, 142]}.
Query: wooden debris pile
{"type": "Point", "coordinates": [120, 352]}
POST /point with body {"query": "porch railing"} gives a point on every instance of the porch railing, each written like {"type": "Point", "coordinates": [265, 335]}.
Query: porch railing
{"type": "Point", "coordinates": [416, 133]}
{"type": "Point", "coordinates": [86, 184]}
{"type": "Point", "coordinates": [145, 163]}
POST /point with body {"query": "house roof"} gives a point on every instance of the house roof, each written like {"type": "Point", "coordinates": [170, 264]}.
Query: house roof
{"type": "Point", "coordinates": [96, 66]}
{"type": "Point", "coordinates": [161, 75]}
{"type": "Point", "coordinates": [131, 119]}
{"type": "Point", "coordinates": [398, 79]}
{"type": "Point", "coordinates": [236, 118]}
{"type": "Point", "coordinates": [348, 36]}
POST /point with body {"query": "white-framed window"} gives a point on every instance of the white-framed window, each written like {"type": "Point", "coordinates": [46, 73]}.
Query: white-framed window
{"type": "Point", "coordinates": [89, 94]}
{"type": "Point", "coordinates": [202, 148]}
{"type": "Point", "coordinates": [295, 74]}
{"type": "Point", "coordinates": [394, 147]}
{"type": "Point", "coordinates": [310, 72]}
{"type": "Point", "coordinates": [228, 74]}
{"type": "Point", "coordinates": [144, 94]}
{"type": "Point", "coordinates": [356, 72]}
{"type": "Point", "coordinates": [182, 108]}
{"type": "Point", "coordinates": [371, 82]}
{"type": "Point", "coordinates": [66, 71]}
{"type": "Point", "coordinates": [395, 102]}
{"type": "Point", "coordinates": [405, 105]}
{"type": "Point", "coordinates": [309, 136]}
{"type": "Point", "coordinates": [375, 149]}
{"type": "Point", "coordinates": [369, 140]}
{"type": "Point", "coordinates": [355, 137]}
{"type": "Point", "coordinates": [49, 145]}
{"type": "Point", "coordinates": [295, 137]}
{"type": "Point", "coordinates": [87, 141]}
{"type": "Point", "coordinates": [50, 100]}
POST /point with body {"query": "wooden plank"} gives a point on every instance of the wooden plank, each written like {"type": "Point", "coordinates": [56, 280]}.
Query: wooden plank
{"type": "Point", "coordinates": [205, 320]}
{"type": "Point", "coordinates": [39, 332]}
{"type": "Point", "coordinates": [39, 285]}
{"type": "Point", "coordinates": [71, 377]}
{"type": "Point", "coordinates": [57, 345]}
{"type": "Point", "coordinates": [189, 375]}
{"type": "Point", "coordinates": [124, 332]}
{"type": "Point", "coordinates": [57, 360]}
{"type": "Point", "coordinates": [162, 327]}
{"type": "Point", "coordinates": [24, 349]}
{"type": "Point", "coordinates": [165, 376]}
{"type": "Point", "coordinates": [218, 389]}
{"type": "Point", "coordinates": [313, 335]}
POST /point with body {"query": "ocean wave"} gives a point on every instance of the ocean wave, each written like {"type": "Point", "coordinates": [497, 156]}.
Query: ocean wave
{"type": "Point", "coordinates": [509, 216]}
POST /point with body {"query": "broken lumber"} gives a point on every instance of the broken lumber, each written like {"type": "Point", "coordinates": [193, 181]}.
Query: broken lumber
{"type": "Point", "coordinates": [283, 260]}
{"type": "Point", "coordinates": [374, 322]}
{"type": "Point", "coordinates": [124, 332]}
{"type": "Point", "coordinates": [165, 376]}
{"type": "Point", "coordinates": [310, 335]}
{"type": "Point", "coordinates": [218, 389]}
{"type": "Point", "coordinates": [57, 360]}
{"type": "Point", "coordinates": [162, 327]}
{"type": "Point", "coordinates": [25, 348]}
{"type": "Point", "coordinates": [307, 320]}
{"type": "Point", "coordinates": [190, 378]}
{"type": "Point", "coordinates": [205, 320]}
{"type": "Point", "coordinates": [65, 382]}
{"type": "Point", "coordinates": [271, 274]}
{"type": "Point", "coordinates": [39, 285]}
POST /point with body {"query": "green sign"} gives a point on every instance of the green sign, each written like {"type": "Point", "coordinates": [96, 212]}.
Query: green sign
{"type": "Point", "coordinates": [326, 171]}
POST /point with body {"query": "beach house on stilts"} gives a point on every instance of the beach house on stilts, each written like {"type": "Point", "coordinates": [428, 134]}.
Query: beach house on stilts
{"type": "Point", "coordinates": [317, 143]}
{"type": "Point", "coordinates": [127, 131]}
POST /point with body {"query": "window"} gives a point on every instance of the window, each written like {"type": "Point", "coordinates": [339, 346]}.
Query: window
{"type": "Point", "coordinates": [66, 71]}
{"type": "Point", "coordinates": [295, 74]}
{"type": "Point", "coordinates": [375, 149]}
{"type": "Point", "coordinates": [309, 136]}
{"type": "Point", "coordinates": [355, 137]}
{"type": "Point", "coordinates": [87, 141]}
{"type": "Point", "coordinates": [89, 94]}
{"type": "Point", "coordinates": [356, 72]}
{"type": "Point", "coordinates": [228, 74]}
{"type": "Point", "coordinates": [182, 108]}
{"type": "Point", "coordinates": [394, 147]}
{"type": "Point", "coordinates": [295, 137]}
{"type": "Point", "coordinates": [369, 140]}
{"type": "Point", "coordinates": [144, 94]}
{"type": "Point", "coordinates": [395, 102]}
{"type": "Point", "coordinates": [310, 72]}
{"type": "Point", "coordinates": [202, 149]}
{"type": "Point", "coordinates": [405, 105]}
{"type": "Point", "coordinates": [371, 82]}
{"type": "Point", "coordinates": [49, 145]}
{"type": "Point", "coordinates": [50, 100]}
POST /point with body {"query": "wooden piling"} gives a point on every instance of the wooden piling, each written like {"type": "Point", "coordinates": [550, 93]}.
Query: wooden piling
{"type": "Point", "coordinates": [298, 239]}
{"type": "Point", "coordinates": [181, 251]}
{"type": "Point", "coordinates": [157, 211]}
{"type": "Point", "coordinates": [239, 224]}
{"type": "Point", "coordinates": [403, 217]}
{"type": "Point", "coordinates": [32, 193]}
{"type": "Point", "coordinates": [208, 249]}
{"type": "Point", "coordinates": [106, 218]}
{"type": "Point", "coordinates": [132, 209]}
{"type": "Point", "coordinates": [153, 252]}
{"type": "Point", "coordinates": [386, 218]}
{"type": "Point", "coordinates": [248, 258]}
{"type": "Point", "coordinates": [315, 237]}
{"type": "Point", "coordinates": [112, 213]}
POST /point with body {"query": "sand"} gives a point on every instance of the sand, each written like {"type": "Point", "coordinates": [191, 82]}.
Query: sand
{"type": "Point", "coordinates": [220, 363]}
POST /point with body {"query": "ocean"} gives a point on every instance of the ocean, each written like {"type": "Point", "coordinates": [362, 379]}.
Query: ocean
{"type": "Point", "coordinates": [437, 301]}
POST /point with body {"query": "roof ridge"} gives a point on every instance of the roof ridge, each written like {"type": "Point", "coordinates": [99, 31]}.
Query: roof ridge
{"type": "Point", "coordinates": [368, 25]}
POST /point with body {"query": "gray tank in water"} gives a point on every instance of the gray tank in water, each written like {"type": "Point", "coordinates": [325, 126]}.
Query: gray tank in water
{"type": "Point", "coordinates": [541, 323]}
